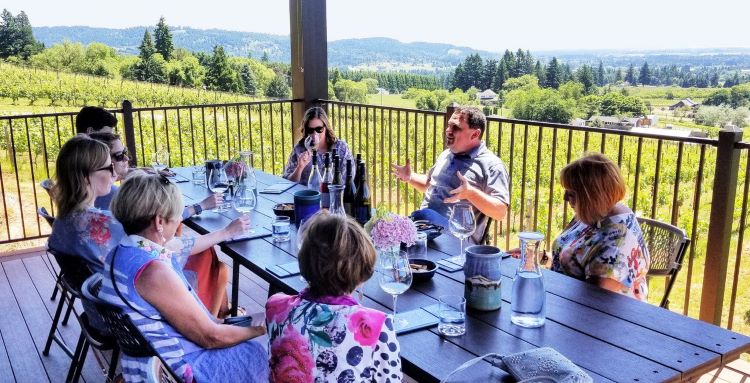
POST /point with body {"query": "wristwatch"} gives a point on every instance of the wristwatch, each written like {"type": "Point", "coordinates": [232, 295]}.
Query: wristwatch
{"type": "Point", "coordinates": [197, 208]}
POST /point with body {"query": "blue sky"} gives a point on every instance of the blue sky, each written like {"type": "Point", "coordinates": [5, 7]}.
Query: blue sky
{"type": "Point", "coordinates": [482, 24]}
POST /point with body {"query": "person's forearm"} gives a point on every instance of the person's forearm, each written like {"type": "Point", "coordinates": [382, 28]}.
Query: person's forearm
{"type": "Point", "coordinates": [418, 181]}
{"type": "Point", "coordinates": [203, 242]}
{"type": "Point", "coordinates": [227, 335]}
{"type": "Point", "coordinates": [296, 175]}
{"type": "Point", "coordinates": [488, 205]}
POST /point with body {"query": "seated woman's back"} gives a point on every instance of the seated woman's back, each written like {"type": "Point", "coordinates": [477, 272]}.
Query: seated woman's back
{"type": "Point", "coordinates": [330, 339]}
{"type": "Point", "coordinates": [323, 334]}
{"type": "Point", "coordinates": [90, 234]}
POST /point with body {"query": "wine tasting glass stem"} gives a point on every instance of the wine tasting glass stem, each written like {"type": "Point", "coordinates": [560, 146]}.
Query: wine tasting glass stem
{"type": "Point", "coordinates": [395, 323]}
{"type": "Point", "coordinates": [461, 254]}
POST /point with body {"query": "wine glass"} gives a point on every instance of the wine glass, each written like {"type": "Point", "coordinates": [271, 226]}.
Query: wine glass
{"type": "Point", "coordinates": [462, 225]}
{"type": "Point", "coordinates": [395, 279]}
{"type": "Point", "coordinates": [218, 183]}
{"type": "Point", "coordinates": [311, 142]}
{"type": "Point", "coordinates": [159, 161]}
{"type": "Point", "coordinates": [244, 202]}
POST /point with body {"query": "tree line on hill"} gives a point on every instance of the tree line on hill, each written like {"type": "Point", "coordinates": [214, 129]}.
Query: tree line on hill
{"type": "Point", "coordinates": [158, 61]}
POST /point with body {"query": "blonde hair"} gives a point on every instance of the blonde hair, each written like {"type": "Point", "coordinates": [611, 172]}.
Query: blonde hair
{"type": "Point", "coordinates": [597, 183]}
{"type": "Point", "coordinates": [143, 197]}
{"type": "Point", "coordinates": [336, 255]}
{"type": "Point", "coordinates": [78, 158]}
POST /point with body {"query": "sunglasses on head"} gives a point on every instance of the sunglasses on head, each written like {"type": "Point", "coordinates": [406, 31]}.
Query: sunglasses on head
{"type": "Point", "coordinates": [163, 179]}
{"type": "Point", "coordinates": [316, 129]}
{"type": "Point", "coordinates": [110, 167]}
{"type": "Point", "coordinates": [121, 155]}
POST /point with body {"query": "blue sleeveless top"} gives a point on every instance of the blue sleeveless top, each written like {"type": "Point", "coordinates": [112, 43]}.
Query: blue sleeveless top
{"type": "Point", "coordinates": [130, 258]}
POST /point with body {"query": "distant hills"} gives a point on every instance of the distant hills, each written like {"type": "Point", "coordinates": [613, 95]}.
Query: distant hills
{"type": "Point", "coordinates": [380, 53]}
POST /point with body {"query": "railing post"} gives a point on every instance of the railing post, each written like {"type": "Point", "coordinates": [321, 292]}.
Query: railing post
{"type": "Point", "coordinates": [720, 225]}
{"type": "Point", "coordinates": [448, 113]}
{"type": "Point", "coordinates": [129, 131]}
{"type": "Point", "coordinates": [309, 65]}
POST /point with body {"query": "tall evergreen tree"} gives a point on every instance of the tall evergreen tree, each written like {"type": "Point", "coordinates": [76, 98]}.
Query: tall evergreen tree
{"type": "Point", "coordinates": [539, 72]}
{"type": "Point", "coordinates": [146, 49]}
{"type": "Point", "coordinates": [553, 77]}
{"type": "Point", "coordinates": [510, 63]}
{"type": "Point", "coordinates": [600, 74]}
{"type": "Point", "coordinates": [585, 75]}
{"type": "Point", "coordinates": [163, 39]}
{"type": "Point", "coordinates": [220, 75]}
{"type": "Point", "coordinates": [501, 76]}
{"type": "Point", "coordinates": [567, 74]}
{"type": "Point", "coordinates": [248, 80]}
{"type": "Point", "coordinates": [630, 75]}
{"type": "Point", "coordinates": [16, 36]}
{"type": "Point", "coordinates": [459, 79]}
{"type": "Point", "coordinates": [644, 77]}
{"type": "Point", "coordinates": [618, 75]}
{"type": "Point", "coordinates": [473, 68]}
{"type": "Point", "coordinates": [278, 87]}
{"type": "Point", "coordinates": [488, 75]}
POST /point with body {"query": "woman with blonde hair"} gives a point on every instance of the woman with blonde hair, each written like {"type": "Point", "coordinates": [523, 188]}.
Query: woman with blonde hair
{"type": "Point", "coordinates": [323, 334]}
{"type": "Point", "coordinates": [603, 244]}
{"type": "Point", "coordinates": [316, 134]}
{"type": "Point", "coordinates": [143, 277]}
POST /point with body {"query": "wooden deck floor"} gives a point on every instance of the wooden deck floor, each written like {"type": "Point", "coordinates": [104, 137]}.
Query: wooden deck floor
{"type": "Point", "coordinates": [26, 312]}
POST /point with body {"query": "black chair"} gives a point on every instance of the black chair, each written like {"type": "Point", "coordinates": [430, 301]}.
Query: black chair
{"type": "Point", "coordinates": [667, 246]}
{"type": "Point", "coordinates": [129, 338]}
{"type": "Point", "coordinates": [92, 335]}
{"type": "Point", "coordinates": [43, 213]}
{"type": "Point", "coordinates": [73, 271]}
{"type": "Point", "coordinates": [160, 372]}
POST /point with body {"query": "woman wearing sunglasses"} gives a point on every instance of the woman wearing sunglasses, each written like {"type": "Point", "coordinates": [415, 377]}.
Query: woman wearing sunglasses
{"type": "Point", "coordinates": [204, 270]}
{"type": "Point", "coordinates": [85, 171]}
{"type": "Point", "coordinates": [316, 134]}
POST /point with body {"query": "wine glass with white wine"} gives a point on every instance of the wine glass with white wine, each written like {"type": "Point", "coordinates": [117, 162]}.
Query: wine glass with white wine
{"type": "Point", "coordinates": [395, 279]}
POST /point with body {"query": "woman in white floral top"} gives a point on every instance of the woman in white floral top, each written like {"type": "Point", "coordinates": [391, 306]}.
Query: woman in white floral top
{"type": "Point", "coordinates": [323, 334]}
{"type": "Point", "coordinates": [603, 244]}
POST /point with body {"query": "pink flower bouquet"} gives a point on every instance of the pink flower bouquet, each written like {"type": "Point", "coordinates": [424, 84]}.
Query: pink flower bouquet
{"type": "Point", "coordinates": [389, 230]}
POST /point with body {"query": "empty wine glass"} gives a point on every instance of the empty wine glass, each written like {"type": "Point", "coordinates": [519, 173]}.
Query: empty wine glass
{"type": "Point", "coordinates": [311, 142]}
{"type": "Point", "coordinates": [395, 279]}
{"type": "Point", "coordinates": [219, 183]}
{"type": "Point", "coordinates": [244, 201]}
{"type": "Point", "coordinates": [159, 161]}
{"type": "Point", "coordinates": [462, 225]}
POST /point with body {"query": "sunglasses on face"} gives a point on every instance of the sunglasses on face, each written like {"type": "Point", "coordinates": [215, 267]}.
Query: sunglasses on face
{"type": "Point", "coordinates": [316, 129]}
{"type": "Point", "coordinates": [110, 167]}
{"type": "Point", "coordinates": [120, 156]}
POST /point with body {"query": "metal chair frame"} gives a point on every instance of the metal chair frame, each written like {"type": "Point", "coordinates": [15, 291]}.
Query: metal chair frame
{"type": "Point", "coordinates": [667, 245]}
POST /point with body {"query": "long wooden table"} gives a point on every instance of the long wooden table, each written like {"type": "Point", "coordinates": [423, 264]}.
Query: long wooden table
{"type": "Point", "coordinates": [612, 337]}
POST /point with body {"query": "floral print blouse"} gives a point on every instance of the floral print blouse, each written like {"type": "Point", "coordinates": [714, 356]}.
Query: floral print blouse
{"type": "Point", "coordinates": [615, 249]}
{"type": "Point", "coordinates": [330, 339]}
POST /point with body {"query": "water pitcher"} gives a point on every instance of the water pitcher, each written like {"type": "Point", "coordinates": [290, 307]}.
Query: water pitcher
{"type": "Point", "coordinates": [528, 298]}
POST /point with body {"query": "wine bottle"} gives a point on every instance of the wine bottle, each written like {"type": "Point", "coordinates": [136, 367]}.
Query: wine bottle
{"type": "Point", "coordinates": [362, 206]}
{"type": "Point", "coordinates": [337, 171]}
{"type": "Point", "coordinates": [313, 182]}
{"type": "Point", "coordinates": [349, 190]}
{"type": "Point", "coordinates": [327, 179]}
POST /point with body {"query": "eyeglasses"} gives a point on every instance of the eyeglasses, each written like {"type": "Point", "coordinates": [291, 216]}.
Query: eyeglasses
{"type": "Point", "coordinates": [120, 156]}
{"type": "Point", "coordinates": [569, 196]}
{"type": "Point", "coordinates": [316, 129]}
{"type": "Point", "coordinates": [163, 179]}
{"type": "Point", "coordinates": [110, 167]}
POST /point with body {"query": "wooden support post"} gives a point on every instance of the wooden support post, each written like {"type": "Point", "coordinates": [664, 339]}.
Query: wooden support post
{"type": "Point", "coordinates": [309, 44]}
{"type": "Point", "coordinates": [720, 225]}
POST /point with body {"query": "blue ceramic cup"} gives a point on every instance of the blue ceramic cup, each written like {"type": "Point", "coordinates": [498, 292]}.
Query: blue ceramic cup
{"type": "Point", "coordinates": [483, 276]}
{"type": "Point", "coordinates": [306, 203]}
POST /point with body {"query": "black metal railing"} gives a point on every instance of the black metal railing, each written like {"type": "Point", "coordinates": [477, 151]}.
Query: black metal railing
{"type": "Point", "coordinates": [671, 179]}
{"type": "Point", "coordinates": [29, 146]}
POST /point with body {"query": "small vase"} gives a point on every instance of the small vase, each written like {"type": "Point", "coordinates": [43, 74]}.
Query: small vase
{"type": "Point", "coordinates": [388, 251]}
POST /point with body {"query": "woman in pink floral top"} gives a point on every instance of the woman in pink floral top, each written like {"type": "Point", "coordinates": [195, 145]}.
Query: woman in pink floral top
{"type": "Point", "coordinates": [323, 334]}
{"type": "Point", "coordinates": [604, 243]}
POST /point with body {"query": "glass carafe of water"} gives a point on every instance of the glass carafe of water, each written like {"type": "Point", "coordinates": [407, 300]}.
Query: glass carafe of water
{"type": "Point", "coordinates": [528, 299]}
{"type": "Point", "coordinates": [247, 177]}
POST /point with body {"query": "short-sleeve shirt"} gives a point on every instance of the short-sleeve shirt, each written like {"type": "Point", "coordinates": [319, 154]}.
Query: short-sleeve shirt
{"type": "Point", "coordinates": [615, 249]}
{"type": "Point", "coordinates": [89, 234]}
{"type": "Point", "coordinates": [330, 339]}
{"type": "Point", "coordinates": [484, 171]}
{"type": "Point", "coordinates": [340, 147]}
